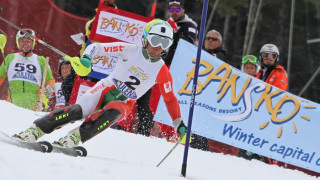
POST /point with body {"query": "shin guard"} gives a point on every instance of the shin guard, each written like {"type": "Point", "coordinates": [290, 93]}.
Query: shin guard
{"type": "Point", "coordinates": [98, 122]}
{"type": "Point", "coordinates": [59, 117]}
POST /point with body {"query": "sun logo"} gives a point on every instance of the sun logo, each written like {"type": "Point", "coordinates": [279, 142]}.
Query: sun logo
{"type": "Point", "coordinates": [135, 31]}
{"type": "Point", "coordinates": [286, 120]}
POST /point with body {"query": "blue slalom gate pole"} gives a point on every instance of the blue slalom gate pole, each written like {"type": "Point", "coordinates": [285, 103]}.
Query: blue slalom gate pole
{"type": "Point", "coordinates": [194, 87]}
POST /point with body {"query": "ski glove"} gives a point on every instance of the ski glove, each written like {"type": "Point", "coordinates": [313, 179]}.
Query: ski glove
{"type": "Point", "coordinates": [82, 66]}
{"type": "Point", "coordinates": [181, 129]}
{"type": "Point", "coordinates": [3, 41]}
{"type": "Point", "coordinates": [49, 90]}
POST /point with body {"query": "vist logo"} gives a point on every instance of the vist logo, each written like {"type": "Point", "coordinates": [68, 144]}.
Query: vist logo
{"type": "Point", "coordinates": [113, 48]}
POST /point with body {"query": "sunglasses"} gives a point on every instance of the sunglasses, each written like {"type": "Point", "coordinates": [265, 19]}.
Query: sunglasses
{"type": "Point", "coordinates": [212, 39]}
{"type": "Point", "coordinates": [174, 9]}
{"type": "Point", "coordinates": [268, 55]}
{"type": "Point", "coordinates": [156, 41]}
{"type": "Point", "coordinates": [249, 58]}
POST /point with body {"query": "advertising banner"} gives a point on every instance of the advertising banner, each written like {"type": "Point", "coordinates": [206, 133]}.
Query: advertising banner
{"type": "Point", "coordinates": [111, 25]}
{"type": "Point", "coordinates": [240, 110]}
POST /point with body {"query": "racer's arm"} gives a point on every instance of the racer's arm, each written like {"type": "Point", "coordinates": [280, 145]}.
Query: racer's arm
{"type": "Point", "coordinates": [109, 49]}
{"type": "Point", "coordinates": [164, 80]}
{"type": "Point", "coordinates": [82, 66]}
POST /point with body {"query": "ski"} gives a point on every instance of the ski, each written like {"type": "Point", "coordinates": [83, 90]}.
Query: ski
{"type": "Point", "coordinates": [74, 151]}
{"type": "Point", "coordinates": [42, 146]}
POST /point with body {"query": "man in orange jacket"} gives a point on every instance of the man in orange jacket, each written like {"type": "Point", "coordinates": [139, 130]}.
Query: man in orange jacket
{"type": "Point", "coordinates": [271, 72]}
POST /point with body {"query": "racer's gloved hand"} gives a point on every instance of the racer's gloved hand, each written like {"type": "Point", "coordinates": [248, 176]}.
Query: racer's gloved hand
{"type": "Point", "coordinates": [181, 129]}
{"type": "Point", "coordinates": [49, 90]}
{"type": "Point", "coordinates": [3, 40]}
{"type": "Point", "coordinates": [82, 66]}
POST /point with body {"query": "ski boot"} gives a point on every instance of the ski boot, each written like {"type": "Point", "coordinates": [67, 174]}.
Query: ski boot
{"type": "Point", "coordinates": [32, 134]}
{"type": "Point", "coordinates": [72, 139]}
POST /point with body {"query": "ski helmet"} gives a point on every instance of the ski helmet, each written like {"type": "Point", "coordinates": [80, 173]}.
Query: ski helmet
{"type": "Point", "coordinates": [62, 60]}
{"type": "Point", "coordinates": [269, 48]}
{"type": "Point", "coordinates": [158, 33]}
{"type": "Point", "coordinates": [250, 59]}
{"type": "Point", "coordinates": [22, 33]}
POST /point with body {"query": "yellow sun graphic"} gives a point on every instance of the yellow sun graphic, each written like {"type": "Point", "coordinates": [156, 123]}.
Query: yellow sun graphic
{"type": "Point", "coordinates": [264, 125]}
{"type": "Point", "coordinates": [138, 34]}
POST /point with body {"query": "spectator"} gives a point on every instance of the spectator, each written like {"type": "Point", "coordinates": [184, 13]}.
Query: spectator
{"type": "Point", "coordinates": [64, 69]}
{"type": "Point", "coordinates": [271, 72]}
{"type": "Point", "coordinates": [249, 65]}
{"type": "Point", "coordinates": [67, 86]}
{"type": "Point", "coordinates": [186, 27]}
{"type": "Point", "coordinates": [88, 26]}
{"type": "Point", "coordinates": [213, 45]}
{"type": "Point", "coordinates": [25, 71]}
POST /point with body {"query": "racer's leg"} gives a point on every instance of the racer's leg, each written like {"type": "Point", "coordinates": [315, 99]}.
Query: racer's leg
{"type": "Point", "coordinates": [84, 107]}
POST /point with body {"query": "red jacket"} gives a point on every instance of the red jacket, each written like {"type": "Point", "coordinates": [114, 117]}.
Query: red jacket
{"type": "Point", "coordinates": [275, 76]}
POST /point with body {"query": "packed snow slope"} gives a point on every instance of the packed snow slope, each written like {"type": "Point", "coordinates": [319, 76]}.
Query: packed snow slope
{"type": "Point", "coordinates": [118, 155]}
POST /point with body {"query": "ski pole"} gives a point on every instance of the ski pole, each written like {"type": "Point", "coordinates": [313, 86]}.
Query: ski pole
{"type": "Point", "coordinates": [35, 38]}
{"type": "Point", "coordinates": [177, 143]}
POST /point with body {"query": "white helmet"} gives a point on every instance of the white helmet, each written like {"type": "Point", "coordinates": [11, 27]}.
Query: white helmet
{"type": "Point", "coordinates": [158, 33]}
{"type": "Point", "coordinates": [22, 33]}
{"type": "Point", "coordinates": [269, 48]}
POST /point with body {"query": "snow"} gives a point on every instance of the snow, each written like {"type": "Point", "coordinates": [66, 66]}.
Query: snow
{"type": "Point", "coordinates": [119, 155]}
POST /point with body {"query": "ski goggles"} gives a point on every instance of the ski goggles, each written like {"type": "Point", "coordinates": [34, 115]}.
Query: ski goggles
{"type": "Point", "coordinates": [249, 58]}
{"type": "Point", "coordinates": [156, 41]}
{"type": "Point", "coordinates": [269, 55]}
{"type": "Point", "coordinates": [26, 32]}
{"type": "Point", "coordinates": [174, 10]}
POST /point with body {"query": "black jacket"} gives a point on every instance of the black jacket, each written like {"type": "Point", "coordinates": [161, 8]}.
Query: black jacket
{"type": "Point", "coordinates": [67, 86]}
{"type": "Point", "coordinates": [221, 54]}
{"type": "Point", "coordinates": [187, 30]}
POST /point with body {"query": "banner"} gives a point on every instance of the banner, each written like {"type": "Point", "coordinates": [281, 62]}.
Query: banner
{"type": "Point", "coordinates": [111, 25]}
{"type": "Point", "coordinates": [240, 110]}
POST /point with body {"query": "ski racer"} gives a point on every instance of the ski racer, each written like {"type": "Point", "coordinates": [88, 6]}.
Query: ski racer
{"type": "Point", "coordinates": [137, 71]}
{"type": "Point", "coordinates": [25, 71]}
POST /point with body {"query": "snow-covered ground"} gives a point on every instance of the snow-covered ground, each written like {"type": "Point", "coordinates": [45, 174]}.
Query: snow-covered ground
{"type": "Point", "coordinates": [118, 155]}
